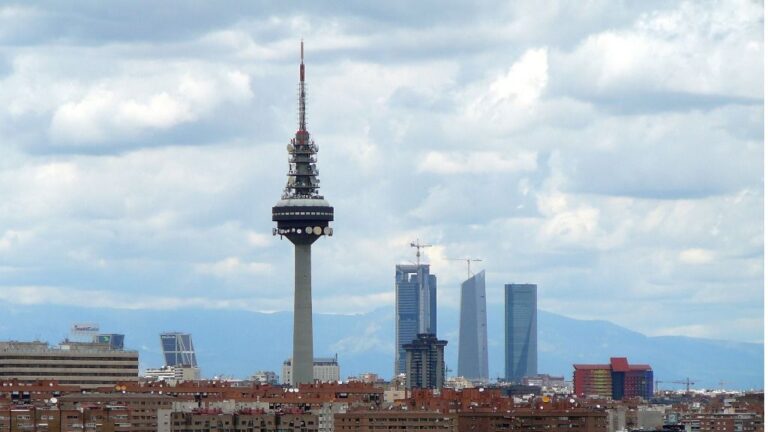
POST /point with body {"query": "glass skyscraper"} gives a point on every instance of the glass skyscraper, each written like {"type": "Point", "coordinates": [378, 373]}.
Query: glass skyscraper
{"type": "Point", "coordinates": [520, 338]}
{"type": "Point", "coordinates": [416, 307]}
{"type": "Point", "coordinates": [178, 349]}
{"type": "Point", "coordinates": [473, 331]}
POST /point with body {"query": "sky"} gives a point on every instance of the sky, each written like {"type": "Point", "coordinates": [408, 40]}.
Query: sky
{"type": "Point", "coordinates": [610, 152]}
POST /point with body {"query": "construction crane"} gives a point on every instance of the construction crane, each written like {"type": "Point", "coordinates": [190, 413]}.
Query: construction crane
{"type": "Point", "coordinates": [469, 261]}
{"type": "Point", "coordinates": [419, 246]}
{"type": "Point", "coordinates": [688, 383]}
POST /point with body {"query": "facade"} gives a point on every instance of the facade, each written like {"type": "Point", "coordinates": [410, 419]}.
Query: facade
{"type": "Point", "coordinates": [425, 362]}
{"type": "Point", "coordinates": [520, 337]}
{"type": "Point", "coordinates": [302, 216]}
{"type": "Point", "coordinates": [416, 307]}
{"type": "Point", "coordinates": [173, 373]}
{"type": "Point", "coordinates": [545, 380]}
{"type": "Point", "coordinates": [178, 349]}
{"type": "Point", "coordinates": [473, 330]}
{"type": "Point", "coordinates": [265, 377]}
{"type": "Point", "coordinates": [324, 369]}
{"type": "Point", "coordinates": [205, 420]}
{"type": "Point", "coordinates": [616, 380]}
{"type": "Point", "coordinates": [114, 340]}
{"type": "Point", "coordinates": [83, 364]}
{"type": "Point", "coordinates": [364, 421]}
{"type": "Point", "coordinates": [123, 412]}
{"type": "Point", "coordinates": [571, 420]}
{"type": "Point", "coordinates": [723, 422]}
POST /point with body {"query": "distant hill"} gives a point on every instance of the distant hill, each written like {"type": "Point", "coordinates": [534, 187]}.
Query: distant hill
{"type": "Point", "coordinates": [238, 343]}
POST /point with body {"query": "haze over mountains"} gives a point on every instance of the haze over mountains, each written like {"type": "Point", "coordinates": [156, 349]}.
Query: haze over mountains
{"type": "Point", "coordinates": [238, 343]}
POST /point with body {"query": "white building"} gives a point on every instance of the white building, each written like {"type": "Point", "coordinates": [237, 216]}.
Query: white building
{"type": "Point", "coordinates": [265, 377]}
{"type": "Point", "coordinates": [173, 374]}
{"type": "Point", "coordinates": [325, 369]}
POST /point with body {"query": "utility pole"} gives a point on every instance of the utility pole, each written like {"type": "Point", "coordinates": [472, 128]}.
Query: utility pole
{"type": "Point", "coordinates": [419, 246]}
{"type": "Point", "coordinates": [469, 261]}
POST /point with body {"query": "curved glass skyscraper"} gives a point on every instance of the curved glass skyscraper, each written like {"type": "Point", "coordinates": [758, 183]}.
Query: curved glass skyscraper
{"type": "Point", "coordinates": [473, 331]}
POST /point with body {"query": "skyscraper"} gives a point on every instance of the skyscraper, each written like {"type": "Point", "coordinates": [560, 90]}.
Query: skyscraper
{"type": "Point", "coordinates": [520, 338]}
{"type": "Point", "coordinates": [425, 362]}
{"type": "Point", "coordinates": [416, 303]}
{"type": "Point", "coordinates": [303, 216]}
{"type": "Point", "coordinates": [178, 349]}
{"type": "Point", "coordinates": [473, 331]}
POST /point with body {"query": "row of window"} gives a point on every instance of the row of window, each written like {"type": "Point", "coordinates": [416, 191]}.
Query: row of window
{"type": "Point", "coordinates": [66, 374]}
{"type": "Point", "coordinates": [66, 366]}
{"type": "Point", "coordinates": [85, 358]}
{"type": "Point", "coordinates": [303, 214]}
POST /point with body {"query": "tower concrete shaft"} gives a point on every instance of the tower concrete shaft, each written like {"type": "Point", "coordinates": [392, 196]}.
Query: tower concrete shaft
{"type": "Point", "coordinates": [303, 216]}
{"type": "Point", "coordinates": [303, 354]}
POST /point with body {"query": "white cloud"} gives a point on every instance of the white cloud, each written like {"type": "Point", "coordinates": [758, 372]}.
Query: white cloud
{"type": "Point", "coordinates": [233, 266]}
{"type": "Point", "coordinates": [120, 107]}
{"type": "Point", "coordinates": [696, 256]}
{"type": "Point", "coordinates": [709, 51]}
{"type": "Point", "coordinates": [524, 82]}
{"type": "Point", "coordinates": [477, 162]}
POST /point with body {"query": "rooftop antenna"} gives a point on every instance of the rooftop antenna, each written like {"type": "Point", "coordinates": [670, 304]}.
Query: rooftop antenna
{"type": "Point", "coordinates": [469, 262]}
{"type": "Point", "coordinates": [419, 246]}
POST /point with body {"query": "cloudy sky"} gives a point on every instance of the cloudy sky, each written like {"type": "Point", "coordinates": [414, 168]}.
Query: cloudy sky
{"type": "Point", "coordinates": [611, 152]}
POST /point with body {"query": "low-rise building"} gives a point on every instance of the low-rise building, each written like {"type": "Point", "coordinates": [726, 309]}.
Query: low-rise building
{"type": "Point", "coordinates": [84, 364]}
{"type": "Point", "coordinates": [325, 369]}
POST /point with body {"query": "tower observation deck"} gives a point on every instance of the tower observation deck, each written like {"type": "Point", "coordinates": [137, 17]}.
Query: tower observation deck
{"type": "Point", "coordinates": [303, 216]}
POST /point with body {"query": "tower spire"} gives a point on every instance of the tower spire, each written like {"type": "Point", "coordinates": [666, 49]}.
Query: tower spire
{"type": "Point", "coordinates": [302, 168]}
{"type": "Point", "coordinates": [302, 94]}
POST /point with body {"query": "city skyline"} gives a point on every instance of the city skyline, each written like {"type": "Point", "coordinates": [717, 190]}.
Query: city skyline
{"type": "Point", "coordinates": [139, 180]}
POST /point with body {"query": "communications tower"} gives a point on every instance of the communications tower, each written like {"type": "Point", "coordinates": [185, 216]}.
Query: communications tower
{"type": "Point", "coordinates": [303, 216]}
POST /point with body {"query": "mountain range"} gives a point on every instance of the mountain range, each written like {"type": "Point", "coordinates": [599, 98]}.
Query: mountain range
{"type": "Point", "coordinates": [237, 343]}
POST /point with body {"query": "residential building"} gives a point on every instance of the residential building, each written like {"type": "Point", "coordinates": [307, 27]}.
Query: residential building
{"type": "Point", "coordinates": [129, 412]}
{"type": "Point", "coordinates": [520, 337]}
{"type": "Point", "coordinates": [364, 421]}
{"type": "Point", "coordinates": [473, 331]}
{"type": "Point", "coordinates": [416, 307]}
{"type": "Point", "coordinates": [425, 362]}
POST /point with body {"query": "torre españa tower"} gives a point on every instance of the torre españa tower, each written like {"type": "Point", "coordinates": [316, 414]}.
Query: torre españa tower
{"type": "Point", "coordinates": [303, 216]}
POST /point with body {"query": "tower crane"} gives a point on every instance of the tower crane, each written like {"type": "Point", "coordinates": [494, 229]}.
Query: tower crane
{"type": "Point", "coordinates": [419, 246]}
{"type": "Point", "coordinates": [469, 261]}
{"type": "Point", "coordinates": [688, 383]}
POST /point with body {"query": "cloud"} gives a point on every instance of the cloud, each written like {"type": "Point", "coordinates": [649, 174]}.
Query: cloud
{"type": "Point", "coordinates": [696, 256]}
{"type": "Point", "coordinates": [477, 162]}
{"type": "Point", "coordinates": [52, 295]}
{"type": "Point", "coordinates": [118, 107]}
{"type": "Point", "coordinates": [233, 266]}
{"type": "Point", "coordinates": [610, 152]}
